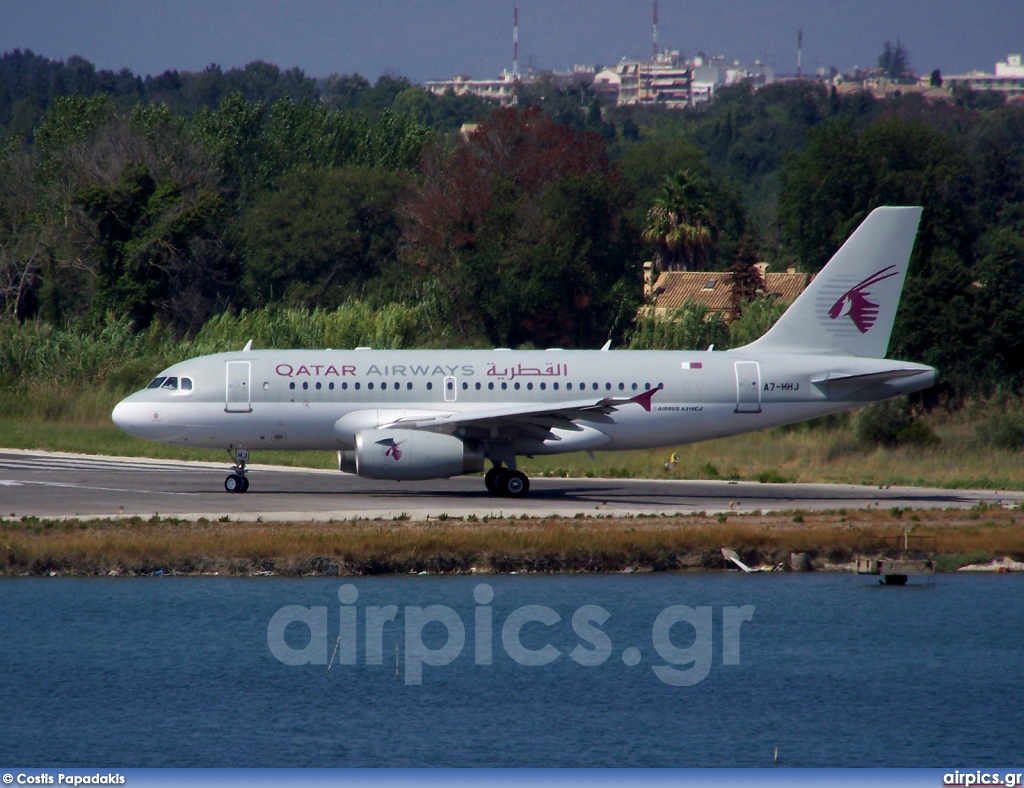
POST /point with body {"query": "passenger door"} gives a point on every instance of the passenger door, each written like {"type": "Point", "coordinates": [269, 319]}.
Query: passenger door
{"type": "Point", "coordinates": [748, 387]}
{"type": "Point", "coordinates": [237, 394]}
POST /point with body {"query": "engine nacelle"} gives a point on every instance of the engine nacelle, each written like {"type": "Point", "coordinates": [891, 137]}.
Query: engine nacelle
{"type": "Point", "coordinates": [409, 455]}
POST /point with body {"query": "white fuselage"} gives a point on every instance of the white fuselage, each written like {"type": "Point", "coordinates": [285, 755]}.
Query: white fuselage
{"type": "Point", "coordinates": [318, 399]}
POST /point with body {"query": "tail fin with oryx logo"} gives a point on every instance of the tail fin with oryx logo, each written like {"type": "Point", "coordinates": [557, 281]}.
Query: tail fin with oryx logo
{"type": "Point", "coordinates": [850, 306]}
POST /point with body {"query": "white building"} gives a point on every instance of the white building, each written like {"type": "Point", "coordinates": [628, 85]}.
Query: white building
{"type": "Point", "coordinates": [1008, 79]}
{"type": "Point", "coordinates": [502, 89]}
{"type": "Point", "coordinates": [670, 81]}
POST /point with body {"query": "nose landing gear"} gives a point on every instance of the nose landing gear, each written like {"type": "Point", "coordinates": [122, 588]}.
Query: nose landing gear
{"type": "Point", "coordinates": [237, 482]}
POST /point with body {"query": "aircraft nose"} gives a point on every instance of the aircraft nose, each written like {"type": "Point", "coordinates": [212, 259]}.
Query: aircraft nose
{"type": "Point", "coordinates": [130, 417]}
{"type": "Point", "coordinates": [144, 420]}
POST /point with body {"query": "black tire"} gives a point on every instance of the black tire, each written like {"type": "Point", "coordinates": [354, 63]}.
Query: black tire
{"type": "Point", "coordinates": [245, 484]}
{"type": "Point", "coordinates": [491, 480]}
{"type": "Point", "coordinates": [516, 484]}
{"type": "Point", "coordinates": [233, 483]}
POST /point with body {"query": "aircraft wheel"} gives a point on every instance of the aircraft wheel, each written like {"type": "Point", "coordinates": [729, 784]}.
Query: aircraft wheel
{"type": "Point", "coordinates": [516, 484]}
{"type": "Point", "coordinates": [491, 480]}
{"type": "Point", "coordinates": [245, 484]}
{"type": "Point", "coordinates": [234, 483]}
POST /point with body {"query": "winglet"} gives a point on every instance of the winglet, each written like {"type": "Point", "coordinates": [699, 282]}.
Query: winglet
{"type": "Point", "coordinates": [644, 399]}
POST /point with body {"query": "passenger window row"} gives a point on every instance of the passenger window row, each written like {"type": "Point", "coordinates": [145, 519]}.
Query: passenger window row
{"type": "Point", "coordinates": [356, 386]}
{"type": "Point", "coordinates": [478, 386]}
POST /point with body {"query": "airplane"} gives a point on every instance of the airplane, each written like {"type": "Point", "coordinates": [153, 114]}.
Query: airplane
{"type": "Point", "coordinates": [433, 414]}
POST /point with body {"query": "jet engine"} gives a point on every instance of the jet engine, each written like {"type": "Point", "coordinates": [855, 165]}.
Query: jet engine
{"type": "Point", "coordinates": [410, 454]}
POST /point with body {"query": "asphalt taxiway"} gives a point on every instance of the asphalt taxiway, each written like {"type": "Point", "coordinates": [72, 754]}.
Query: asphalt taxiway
{"type": "Point", "coordinates": [58, 485]}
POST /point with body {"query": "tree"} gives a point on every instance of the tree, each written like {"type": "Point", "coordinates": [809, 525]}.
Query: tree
{"type": "Point", "coordinates": [842, 175]}
{"type": "Point", "coordinates": [133, 204]}
{"type": "Point", "coordinates": [999, 300]}
{"type": "Point", "coordinates": [648, 162]}
{"type": "Point", "coordinates": [895, 62]}
{"type": "Point", "coordinates": [690, 327]}
{"type": "Point", "coordinates": [823, 193]}
{"type": "Point", "coordinates": [445, 113]}
{"type": "Point", "coordinates": [996, 146]}
{"type": "Point", "coordinates": [254, 146]}
{"type": "Point", "coordinates": [744, 275]}
{"type": "Point", "coordinates": [319, 235]}
{"type": "Point", "coordinates": [680, 223]}
{"type": "Point", "coordinates": [25, 239]}
{"type": "Point", "coordinates": [523, 226]}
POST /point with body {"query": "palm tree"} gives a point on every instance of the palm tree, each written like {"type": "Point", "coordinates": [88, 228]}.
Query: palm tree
{"type": "Point", "coordinates": [680, 223]}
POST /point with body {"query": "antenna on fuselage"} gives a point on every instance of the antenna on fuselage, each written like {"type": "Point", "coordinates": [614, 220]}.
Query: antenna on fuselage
{"type": "Point", "coordinates": [607, 345]}
{"type": "Point", "coordinates": [248, 346]}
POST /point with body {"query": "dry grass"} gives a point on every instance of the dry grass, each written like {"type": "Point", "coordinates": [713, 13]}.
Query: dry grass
{"type": "Point", "coordinates": [551, 545]}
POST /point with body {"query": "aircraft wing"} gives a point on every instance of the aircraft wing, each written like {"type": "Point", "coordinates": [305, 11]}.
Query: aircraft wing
{"type": "Point", "coordinates": [529, 418]}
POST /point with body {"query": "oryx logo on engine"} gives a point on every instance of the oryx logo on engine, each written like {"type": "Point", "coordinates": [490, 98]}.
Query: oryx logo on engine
{"type": "Point", "coordinates": [393, 450]}
{"type": "Point", "coordinates": [854, 302]}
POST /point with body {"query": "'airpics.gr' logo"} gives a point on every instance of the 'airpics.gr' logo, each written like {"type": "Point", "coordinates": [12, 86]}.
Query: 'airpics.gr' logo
{"type": "Point", "coordinates": [854, 302]}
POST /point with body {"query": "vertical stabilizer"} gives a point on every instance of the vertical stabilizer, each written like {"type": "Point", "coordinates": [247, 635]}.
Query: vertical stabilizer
{"type": "Point", "coordinates": [851, 305]}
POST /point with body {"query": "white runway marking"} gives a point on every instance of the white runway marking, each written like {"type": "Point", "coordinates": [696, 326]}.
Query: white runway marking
{"type": "Point", "coordinates": [72, 486]}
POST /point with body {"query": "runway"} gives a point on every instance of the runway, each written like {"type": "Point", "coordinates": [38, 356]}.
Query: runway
{"type": "Point", "coordinates": [57, 485]}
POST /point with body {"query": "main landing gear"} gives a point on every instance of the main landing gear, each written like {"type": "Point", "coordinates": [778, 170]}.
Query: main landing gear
{"type": "Point", "coordinates": [237, 481]}
{"type": "Point", "coordinates": [506, 482]}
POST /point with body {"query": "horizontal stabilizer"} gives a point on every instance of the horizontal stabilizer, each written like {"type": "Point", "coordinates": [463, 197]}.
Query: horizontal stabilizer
{"type": "Point", "coordinates": [839, 384]}
{"type": "Point", "coordinates": [839, 379]}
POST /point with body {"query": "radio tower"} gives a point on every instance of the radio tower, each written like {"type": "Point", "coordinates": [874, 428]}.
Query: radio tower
{"type": "Point", "coordinates": [654, 50]}
{"type": "Point", "coordinates": [799, 51]}
{"type": "Point", "coordinates": [515, 42]}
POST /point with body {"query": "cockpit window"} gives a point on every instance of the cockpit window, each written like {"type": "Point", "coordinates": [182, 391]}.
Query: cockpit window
{"type": "Point", "coordinates": [186, 384]}
{"type": "Point", "coordinates": [157, 383]}
{"type": "Point", "coordinates": [170, 383]}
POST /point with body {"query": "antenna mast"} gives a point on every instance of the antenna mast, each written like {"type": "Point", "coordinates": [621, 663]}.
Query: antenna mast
{"type": "Point", "coordinates": [654, 50]}
{"type": "Point", "coordinates": [515, 42]}
{"type": "Point", "coordinates": [799, 51]}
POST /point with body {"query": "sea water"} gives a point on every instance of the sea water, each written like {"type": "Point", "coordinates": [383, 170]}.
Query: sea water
{"type": "Point", "coordinates": [692, 669]}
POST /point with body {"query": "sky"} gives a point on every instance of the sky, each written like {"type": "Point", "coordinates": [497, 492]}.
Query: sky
{"type": "Point", "coordinates": [440, 38]}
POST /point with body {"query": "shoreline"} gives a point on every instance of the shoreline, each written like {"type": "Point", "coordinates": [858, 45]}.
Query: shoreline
{"type": "Point", "coordinates": [821, 541]}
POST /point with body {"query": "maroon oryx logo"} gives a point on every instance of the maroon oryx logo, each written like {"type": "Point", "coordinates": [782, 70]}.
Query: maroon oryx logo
{"type": "Point", "coordinates": [393, 450]}
{"type": "Point", "coordinates": [854, 302]}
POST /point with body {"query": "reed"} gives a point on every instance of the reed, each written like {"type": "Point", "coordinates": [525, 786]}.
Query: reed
{"type": "Point", "coordinates": [32, 547]}
{"type": "Point", "coordinates": [78, 356]}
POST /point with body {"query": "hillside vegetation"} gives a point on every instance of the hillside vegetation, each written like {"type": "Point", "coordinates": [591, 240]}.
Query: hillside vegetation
{"type": "Point", "coordinates": [143, 221]}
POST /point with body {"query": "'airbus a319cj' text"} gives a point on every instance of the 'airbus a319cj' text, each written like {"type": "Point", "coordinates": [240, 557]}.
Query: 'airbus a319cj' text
{"type": "Point", "coordinates": [429, 414]}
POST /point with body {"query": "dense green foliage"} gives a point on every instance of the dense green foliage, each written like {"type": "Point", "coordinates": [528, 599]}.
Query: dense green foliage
{"type": "Point", "coordinates": [113, 352]}
{"type": "Point", "coordinates": [523, 227]}
{"type": "Point", "coordinates": [891, 424]}
{"type": "Point", "coordinates": [168, 207]}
